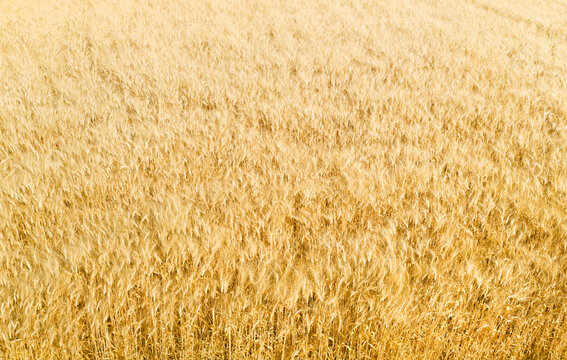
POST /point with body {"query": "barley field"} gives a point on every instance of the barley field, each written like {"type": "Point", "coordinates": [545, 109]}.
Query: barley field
{"type": "Point", "coordinates": [270, 179]}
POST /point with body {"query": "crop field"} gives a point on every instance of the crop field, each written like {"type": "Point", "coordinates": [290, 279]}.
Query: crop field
{"type": "Point", "coordinates": [283, 179]}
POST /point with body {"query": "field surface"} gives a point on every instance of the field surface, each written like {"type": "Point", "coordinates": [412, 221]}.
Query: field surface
{"type": "Point", "coordinates": [264, 179]}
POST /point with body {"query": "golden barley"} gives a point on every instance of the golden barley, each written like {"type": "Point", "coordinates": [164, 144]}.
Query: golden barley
{"type": "Point", "coordinates": [265, 179]}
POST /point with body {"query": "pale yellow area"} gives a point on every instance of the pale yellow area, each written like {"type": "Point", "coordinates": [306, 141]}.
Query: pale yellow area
{"type": "Point", "coordinates": [247, 179]}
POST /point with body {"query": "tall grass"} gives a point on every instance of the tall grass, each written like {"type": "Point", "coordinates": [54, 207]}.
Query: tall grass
{"type": "Point", "coordinates": [283, 179]}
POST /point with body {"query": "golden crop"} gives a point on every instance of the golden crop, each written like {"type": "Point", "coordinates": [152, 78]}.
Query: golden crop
{"type": "Point", "coordinates": [276, 179]}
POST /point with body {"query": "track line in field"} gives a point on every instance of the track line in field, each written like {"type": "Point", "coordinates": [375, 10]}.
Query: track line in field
{"type": "Point", "coordinates": [551, 33]}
